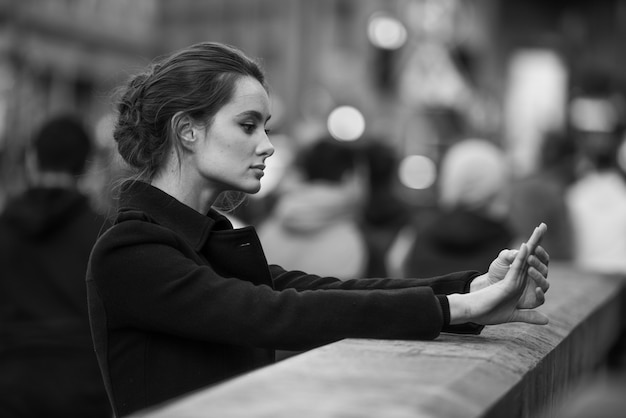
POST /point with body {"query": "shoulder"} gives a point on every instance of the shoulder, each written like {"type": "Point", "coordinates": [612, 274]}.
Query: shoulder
{"type": "Point", "coordinates": [132, 231]}
{"type": "Point", "coordinates": [132, 228]}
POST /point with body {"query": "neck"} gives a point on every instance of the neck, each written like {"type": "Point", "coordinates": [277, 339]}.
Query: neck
{"type": "Point", "coordinates": [186, 192]}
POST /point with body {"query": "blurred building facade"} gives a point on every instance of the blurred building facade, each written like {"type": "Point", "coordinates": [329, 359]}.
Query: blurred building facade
{"type": "Point", "coordinates": [450, 78]}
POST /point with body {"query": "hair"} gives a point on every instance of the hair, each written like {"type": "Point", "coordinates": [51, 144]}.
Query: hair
{"type": "Point", "coordinates": [474, 171]}
{"type": "Point", "coordinates": [62, 144]}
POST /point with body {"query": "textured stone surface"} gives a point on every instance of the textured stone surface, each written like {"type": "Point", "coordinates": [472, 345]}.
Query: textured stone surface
{"type": "Point", "coordinates": [513, 370]}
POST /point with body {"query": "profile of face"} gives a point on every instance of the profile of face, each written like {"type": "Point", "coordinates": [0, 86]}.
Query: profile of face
{"type": "Point", "coordinates": [230, 153]}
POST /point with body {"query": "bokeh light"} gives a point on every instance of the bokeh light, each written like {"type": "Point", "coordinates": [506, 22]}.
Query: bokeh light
{"type": "Point", "coordinates": [386, 32]}
{"type": "Point", "coordinates": [417, 172]}
{"type": "Point", "coordinates": [346, 123]}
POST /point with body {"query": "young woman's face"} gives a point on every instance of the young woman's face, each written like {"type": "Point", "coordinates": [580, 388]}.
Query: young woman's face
{"type": "Point", "coordinates": [231, 152]}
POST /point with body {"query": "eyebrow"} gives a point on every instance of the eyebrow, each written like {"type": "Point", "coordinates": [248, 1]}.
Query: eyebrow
{"type": "Point", "coordinates": [255, 114]}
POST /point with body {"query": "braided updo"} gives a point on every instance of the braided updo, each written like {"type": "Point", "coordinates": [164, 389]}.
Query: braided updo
{"type": "Point", "coordinates": [196, 81]}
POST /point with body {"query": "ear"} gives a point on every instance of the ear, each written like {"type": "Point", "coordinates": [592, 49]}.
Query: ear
{"type": "Point", "coordinates": [184, 130]}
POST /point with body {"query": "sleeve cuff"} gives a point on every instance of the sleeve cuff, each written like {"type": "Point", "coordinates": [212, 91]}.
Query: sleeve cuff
{"type": "Point", "coordinates": [445, 309]}
{"type": "Point", "coordinates": [469, 282]}
{"type": "Point", "coordinates": [468, 328]}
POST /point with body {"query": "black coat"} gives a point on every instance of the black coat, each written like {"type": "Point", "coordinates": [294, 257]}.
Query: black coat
{"type": "Point", "coordinates": [179, 301]}
{"type": "Point", "coordinates": [47, 363]}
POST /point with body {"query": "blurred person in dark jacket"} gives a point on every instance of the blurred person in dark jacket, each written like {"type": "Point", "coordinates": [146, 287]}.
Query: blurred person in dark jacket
{"type": "Point", "coordinates": [48, 367]}
{"type": "Point", "coordinates": [385, 214]}
{"type": "Point", "coordinates": [470, 222]}
{"type": "Point", "coordinates": [540, 196]}
{"type": "Point", "coordinates": [596, 200]}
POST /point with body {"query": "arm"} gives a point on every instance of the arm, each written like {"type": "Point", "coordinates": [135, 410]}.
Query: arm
{"type": "Point", "coordinates": [456, 282]}
{"type": "Point", "coordinates": [147, 280]}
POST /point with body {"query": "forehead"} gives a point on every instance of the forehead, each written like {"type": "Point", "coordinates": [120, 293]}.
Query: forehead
{"type": "Point", "coordinates": [249, 95]}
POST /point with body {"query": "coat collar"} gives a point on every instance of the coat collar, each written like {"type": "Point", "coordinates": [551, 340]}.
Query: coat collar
{"type": "Point", "coordinates": [171, 213]}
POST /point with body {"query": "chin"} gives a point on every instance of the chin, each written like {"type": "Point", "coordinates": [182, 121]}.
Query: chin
{"type": "Point", "coordinates": [252, 189]}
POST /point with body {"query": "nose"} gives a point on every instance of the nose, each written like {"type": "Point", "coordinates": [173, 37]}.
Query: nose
{"type": "Point", "coordinates": [265, 147]}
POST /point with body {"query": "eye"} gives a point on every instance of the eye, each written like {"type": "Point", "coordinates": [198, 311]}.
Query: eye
{"type": "Point", "coordinates": [248, 127]}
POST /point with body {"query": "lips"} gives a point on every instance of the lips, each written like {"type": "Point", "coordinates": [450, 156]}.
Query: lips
{"type": "Point", "coordinates": [259, 170]}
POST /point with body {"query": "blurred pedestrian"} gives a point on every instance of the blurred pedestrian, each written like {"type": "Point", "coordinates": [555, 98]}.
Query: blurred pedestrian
{"type": "Point", "coordinates": [540, 196]}
{"type": "Point", "coordinates": [597, 199]}
{"type": "Point", "coordinates": [470, 223]}
{"type": "Point", "coordinates": [48, 367]}
{"type": "Point", "coordinates": [384, 213]}
{"type": "Point", "coordinates": [180, 300]}
{"type": "Point", "coordinates": [314, 226]}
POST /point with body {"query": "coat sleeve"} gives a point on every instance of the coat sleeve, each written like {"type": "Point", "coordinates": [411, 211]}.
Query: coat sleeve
{"type": "Point", "coordinates": [454, 282]}
{"type": "Point", "coordinates": [146, 280]}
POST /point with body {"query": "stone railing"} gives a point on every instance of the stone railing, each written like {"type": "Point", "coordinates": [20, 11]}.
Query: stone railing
{"type": "Point", "coordinates": [511, 370]}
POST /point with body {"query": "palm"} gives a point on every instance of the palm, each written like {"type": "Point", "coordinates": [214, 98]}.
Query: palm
{"type": "Point", "coordinates": [498, 269]}
{"type": "Point", "coordinates": [512, 295]}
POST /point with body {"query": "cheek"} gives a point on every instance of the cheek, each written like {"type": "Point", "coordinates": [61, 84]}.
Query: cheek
{"type": "Point", "coordinates": [222, 162]}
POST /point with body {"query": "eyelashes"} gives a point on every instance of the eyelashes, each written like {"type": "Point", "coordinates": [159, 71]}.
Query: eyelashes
{"type": "Point", "coordinates": [249, 128]}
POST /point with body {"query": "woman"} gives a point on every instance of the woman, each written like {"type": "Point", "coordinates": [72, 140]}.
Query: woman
{"type": "Point", "coordinates": [180, 300]}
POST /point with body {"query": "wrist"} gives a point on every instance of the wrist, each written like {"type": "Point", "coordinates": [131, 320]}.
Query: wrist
{"type": "Point", "coordinates": [459, 308]}
{"type": "Point", "coordinates": [478, 283]}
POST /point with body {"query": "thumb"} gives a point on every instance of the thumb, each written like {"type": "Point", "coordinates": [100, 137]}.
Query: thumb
{"type": "Point", "coordinates": [502, 262]}
{"type": "Point", "coordinates": [507, 257]}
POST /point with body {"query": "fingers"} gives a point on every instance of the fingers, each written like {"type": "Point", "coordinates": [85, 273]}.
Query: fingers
{"type": "Point", "coordinates": [541, 297]}
{"type": "Point", "coordinates": [517, 267]}
{"type": "Point", "coordinates": [539, 267]}
{"type": "Point", "coordinates": [542, 255]}
{"type": "Point", "coordinates": [536, 237]}
{"type": "Point", "coordinates": [520, 257]}
{"type": "Point", "coordinates": [539, 279]}
{"type": "Point", "coordinates": [532, 303]}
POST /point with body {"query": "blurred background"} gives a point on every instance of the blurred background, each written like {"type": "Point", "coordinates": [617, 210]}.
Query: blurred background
{"type": "Point", "coordinates": [418, 75]}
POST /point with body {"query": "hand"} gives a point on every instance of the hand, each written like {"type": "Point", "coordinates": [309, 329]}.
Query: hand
{"type": "Point", "coordinates": [502, 301]}
{"type": "Point", "coordinates": [536, 269]}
